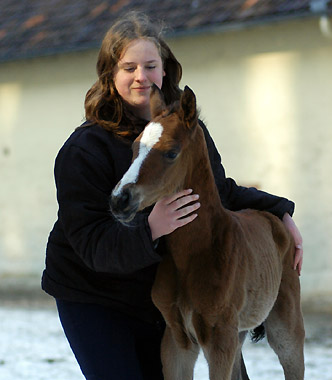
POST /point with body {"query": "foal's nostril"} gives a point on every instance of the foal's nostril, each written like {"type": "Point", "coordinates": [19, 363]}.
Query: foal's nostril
{"type": "Point", "coordinates": [120, 202]}
{"type": "Point", "coordinates": [124, 199]}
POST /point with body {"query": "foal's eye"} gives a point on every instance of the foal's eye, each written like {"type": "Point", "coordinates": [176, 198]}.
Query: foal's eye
{"type": "Point", "coordinates": [171, 154]}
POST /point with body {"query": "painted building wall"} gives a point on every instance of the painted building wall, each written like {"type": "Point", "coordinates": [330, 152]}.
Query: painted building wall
{"type": "Point", "coordinates": [265, 94]}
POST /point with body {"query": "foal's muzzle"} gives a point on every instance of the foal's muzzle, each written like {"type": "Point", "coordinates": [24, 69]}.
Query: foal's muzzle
{"type": "Point", "coordinates": [124, 204]}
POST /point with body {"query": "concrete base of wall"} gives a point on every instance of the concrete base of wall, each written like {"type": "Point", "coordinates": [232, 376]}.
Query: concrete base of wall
{"type": "Point", "coordinates": [23, 290]}
{"type": "Point", "coordinates": [318, 304]}
{"type": "Point", "coordinates": [26, 290]}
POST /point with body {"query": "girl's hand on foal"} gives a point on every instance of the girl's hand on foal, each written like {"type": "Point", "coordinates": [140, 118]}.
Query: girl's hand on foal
{"type": "Point", "coordinates": [173, 212]}
{"type": "Point", "coordinates": [292, 228]}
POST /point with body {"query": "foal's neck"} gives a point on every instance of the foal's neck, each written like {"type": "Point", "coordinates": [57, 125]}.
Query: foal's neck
{"type": "Point", "coordinates": [197, 236]}
{"type": "Point", "coordinates": [202, 181]}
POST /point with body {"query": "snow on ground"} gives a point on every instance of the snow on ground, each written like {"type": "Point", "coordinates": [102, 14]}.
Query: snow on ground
{"type": "Point", "coordinates": [33, 347]}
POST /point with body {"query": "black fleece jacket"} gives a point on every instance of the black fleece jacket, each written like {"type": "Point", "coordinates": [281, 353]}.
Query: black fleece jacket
{"type": "Point", "coordinates": [92, 258]}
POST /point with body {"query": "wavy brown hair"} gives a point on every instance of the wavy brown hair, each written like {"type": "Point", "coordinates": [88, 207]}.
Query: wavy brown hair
{"type": "Point", "coordinates": [103, 104]}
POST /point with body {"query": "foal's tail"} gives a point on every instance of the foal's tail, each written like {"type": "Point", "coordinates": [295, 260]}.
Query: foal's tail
{"type": "Point", "coordinates": [258, 333]}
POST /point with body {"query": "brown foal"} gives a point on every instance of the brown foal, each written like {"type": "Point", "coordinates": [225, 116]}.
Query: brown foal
{"type": "Point", "coordinates": [226, 272]}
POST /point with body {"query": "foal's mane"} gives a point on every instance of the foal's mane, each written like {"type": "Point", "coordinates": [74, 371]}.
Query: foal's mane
{"type": "Point", "coordinates": [171, 108]}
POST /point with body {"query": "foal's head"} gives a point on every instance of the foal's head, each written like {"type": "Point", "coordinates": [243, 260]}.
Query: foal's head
{"type": "Point", "coordinates": [161, 156]}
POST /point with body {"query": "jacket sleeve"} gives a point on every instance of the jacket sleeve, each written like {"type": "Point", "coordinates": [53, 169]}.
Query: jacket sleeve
{"type": "Point", "coordinates": [235, 197]}
{"type": "Point", "coordinates": [84, 184]}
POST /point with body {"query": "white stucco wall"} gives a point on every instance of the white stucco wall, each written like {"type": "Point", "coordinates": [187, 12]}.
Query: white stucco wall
{"type": "Point", "coordinates": [41, 102]}
{"type": "Point", "coordinates": [265, 93]}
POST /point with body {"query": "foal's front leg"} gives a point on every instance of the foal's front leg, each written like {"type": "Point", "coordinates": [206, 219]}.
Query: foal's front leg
{"type": "Point", "coordinates": [239, 369]}
{"type": "Point", "coordinates": [221, 349]}
{"type": "Point", "coordinates": [178, 362]}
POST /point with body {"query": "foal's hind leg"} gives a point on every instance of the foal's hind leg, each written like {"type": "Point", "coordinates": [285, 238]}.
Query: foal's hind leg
{"type": "Point", "coordinates": [178, 362]}
{"type": "Point", "coordinates": [284, 327]}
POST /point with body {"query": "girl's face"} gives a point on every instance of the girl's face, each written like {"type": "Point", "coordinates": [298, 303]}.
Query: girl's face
{"type": "Point", "coordinates": [139, 67]}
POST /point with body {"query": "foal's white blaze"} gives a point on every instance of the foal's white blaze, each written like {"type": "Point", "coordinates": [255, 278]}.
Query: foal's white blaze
{"type": "Point", "coordinates": [150, 137]}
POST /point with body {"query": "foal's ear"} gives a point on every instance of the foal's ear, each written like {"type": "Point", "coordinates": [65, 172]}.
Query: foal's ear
{"type": "Point", "coordinates": [157, 102]}
{"type": "Point", "coordinates": [188, 107]}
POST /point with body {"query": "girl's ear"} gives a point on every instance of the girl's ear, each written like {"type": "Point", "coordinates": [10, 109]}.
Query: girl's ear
{"type": "Point", "coordinates": [157, 102]}
{"type": "Point", "coordinates": [188, 108]}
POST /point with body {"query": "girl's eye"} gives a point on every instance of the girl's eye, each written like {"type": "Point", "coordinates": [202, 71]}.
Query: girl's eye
{"type": "Point", "coordinates": [129, 69]}
{"type": "Point", "coordinates": [151, 67]}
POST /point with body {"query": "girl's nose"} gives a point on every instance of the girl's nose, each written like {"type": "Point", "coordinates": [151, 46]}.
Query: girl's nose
{"type": "Point", "coordinates": [140, 74]}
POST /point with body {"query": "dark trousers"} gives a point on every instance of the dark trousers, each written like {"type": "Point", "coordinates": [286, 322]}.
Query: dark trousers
{"type": "Point", "coordinates": [111, 346]}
